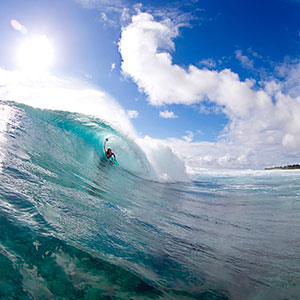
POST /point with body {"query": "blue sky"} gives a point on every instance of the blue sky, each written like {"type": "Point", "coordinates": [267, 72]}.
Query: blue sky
{"type": "Point", "coordinates": [254, 40]}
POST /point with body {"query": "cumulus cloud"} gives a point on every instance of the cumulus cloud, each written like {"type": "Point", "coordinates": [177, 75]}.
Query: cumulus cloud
{"type": "Point", "coordinates": [132, 114]}
{"type": "Point", "coordinates": [245, 61]}
{"type": "Point", "coordinates": [167, 114]}
{"type": "Point", "coordinates": [189, 137]}
{"type": "Point", "coordinates": [152, 69]}
{"type": "Point", "coordinates": [208, 63]}
{"type": "Point", "coordinates": [264, 123]}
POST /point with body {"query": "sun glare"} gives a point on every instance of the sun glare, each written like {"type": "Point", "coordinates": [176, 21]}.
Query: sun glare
{"type": "Point", "coordinates": [35, 55]}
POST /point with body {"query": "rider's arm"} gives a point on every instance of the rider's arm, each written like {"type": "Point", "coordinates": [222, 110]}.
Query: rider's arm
{"type": "Point", "coordinates": [105, 145]}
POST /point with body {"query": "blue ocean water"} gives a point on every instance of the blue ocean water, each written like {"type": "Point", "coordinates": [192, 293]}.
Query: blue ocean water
{"type": "Point", "coordinates": [74, 227]}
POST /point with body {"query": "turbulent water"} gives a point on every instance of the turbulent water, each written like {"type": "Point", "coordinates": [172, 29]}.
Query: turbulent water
{"type": "Point", "coordinates": [74, 227]}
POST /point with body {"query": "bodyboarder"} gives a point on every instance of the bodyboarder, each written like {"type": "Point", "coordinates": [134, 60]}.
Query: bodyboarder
{"type": "Point", "coordinates": [109, 153]}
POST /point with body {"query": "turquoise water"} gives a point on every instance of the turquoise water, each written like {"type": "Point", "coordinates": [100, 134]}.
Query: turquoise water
{"type": "Point", "coordinates": [73, 227]}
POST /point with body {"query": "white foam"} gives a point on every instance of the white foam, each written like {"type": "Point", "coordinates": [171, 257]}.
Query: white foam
{"type": "Point", "coordinates": [166, 164]}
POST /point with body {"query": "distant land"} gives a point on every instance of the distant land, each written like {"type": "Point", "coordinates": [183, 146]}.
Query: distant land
{"type": "Point", "coordinates": [288, 167]}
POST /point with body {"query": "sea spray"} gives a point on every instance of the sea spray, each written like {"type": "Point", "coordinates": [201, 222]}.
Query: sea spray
{"type": "Point", "coordinates": [166, 164]}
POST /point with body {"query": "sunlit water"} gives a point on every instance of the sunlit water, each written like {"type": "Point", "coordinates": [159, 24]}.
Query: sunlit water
{"type": "Point", "coordinates": [74, 227]}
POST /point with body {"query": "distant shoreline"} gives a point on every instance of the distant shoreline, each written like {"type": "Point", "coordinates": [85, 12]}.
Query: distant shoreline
{"type": "Point", "coordinates": [288, 167]}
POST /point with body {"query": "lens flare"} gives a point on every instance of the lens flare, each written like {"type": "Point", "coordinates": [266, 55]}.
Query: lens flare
{"type": "Point", "coordinates": [19, 27]}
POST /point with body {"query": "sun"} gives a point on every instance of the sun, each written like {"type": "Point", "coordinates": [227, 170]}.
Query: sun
{"type": "Point", "coordinates": [35, 54]}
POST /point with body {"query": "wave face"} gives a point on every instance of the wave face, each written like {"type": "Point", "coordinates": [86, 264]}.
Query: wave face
{"type": "Point", "coordinates": [74, 227]}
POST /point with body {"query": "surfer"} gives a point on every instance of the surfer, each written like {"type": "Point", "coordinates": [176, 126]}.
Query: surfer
{"type": "Point", "coordinates": [109, 152]}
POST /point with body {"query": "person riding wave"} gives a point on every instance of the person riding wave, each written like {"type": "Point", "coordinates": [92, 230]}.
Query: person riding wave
{"type": "Point", "coordinates": [109, 153]}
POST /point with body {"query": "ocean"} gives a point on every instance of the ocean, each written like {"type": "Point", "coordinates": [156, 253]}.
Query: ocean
{"type": "Point", "coordinates": [74, 227]}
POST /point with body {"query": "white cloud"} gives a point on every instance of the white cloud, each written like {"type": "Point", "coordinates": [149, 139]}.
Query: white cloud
{"type": "Point", "coordinates": [245, 61]}
{"type": "Point", "coordinates": [208, 63]}
{"type": "Point", "coordinates": [99, 3]}
{"type": "Point", "coordinates": [225, 155]}
{"type": "Point", "coordinates": [132, 114]}
{"type": "Point", "coordinates": [107, 20]}
{"type": "Point", "coordinates": [125, 15]}
{"type": "Point", "coordinates": [88, 76]}
{"type": "Point", "coordinates": [152, 69]}
{"type": "Point", "coordinates": [113, 13]}
{"type": "Point", "coordinates": [264, 123]}
{"type": "Point", "coordinates": [189, 137]}
{"type": "Point", "coordinates": [113, 66]}
{"type": "Point", "coordinates": [290, 71]}
{"type": "Point", "coordinates": [117, 13]}
{"type": "Point", "coordinates": [167, 114]}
